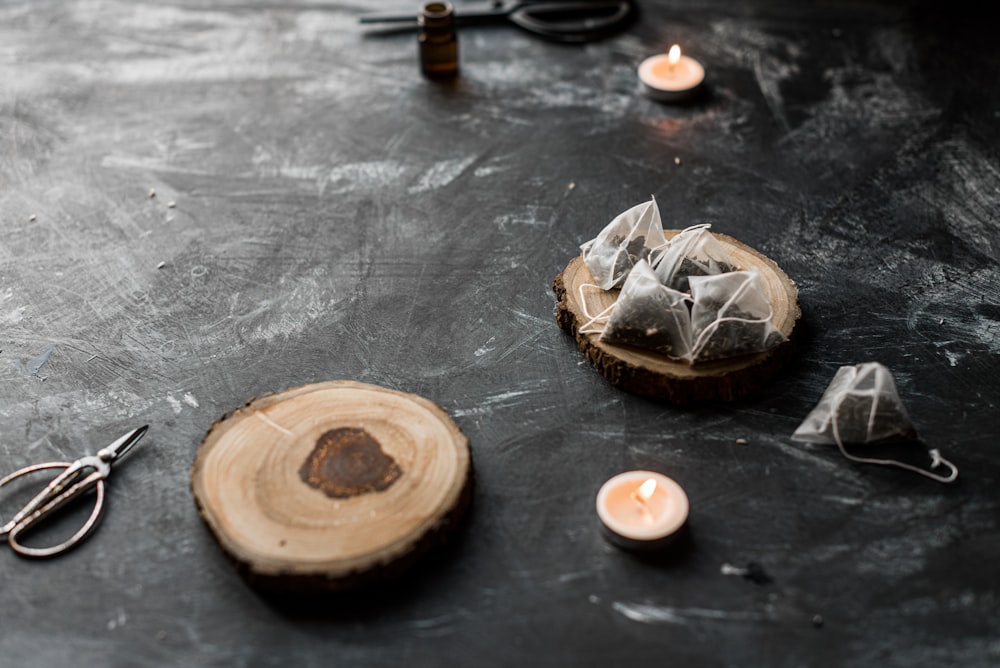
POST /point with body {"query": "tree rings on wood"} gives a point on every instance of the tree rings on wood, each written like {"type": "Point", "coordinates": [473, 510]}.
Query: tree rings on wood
{"type": "Point", "coordinates": [650, 374]}
{"type": "Point", "coordinates": [331, 485]}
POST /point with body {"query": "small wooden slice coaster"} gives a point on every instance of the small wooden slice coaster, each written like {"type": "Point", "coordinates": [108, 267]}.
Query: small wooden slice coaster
{"type": "Point", "coordinates": [331, 485]}
{"type": "Point", "coordinates": [650, 374]}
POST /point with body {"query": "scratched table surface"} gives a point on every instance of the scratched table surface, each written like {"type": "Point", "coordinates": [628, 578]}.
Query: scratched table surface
{"type": "Point", "coordinates": [321, 211]}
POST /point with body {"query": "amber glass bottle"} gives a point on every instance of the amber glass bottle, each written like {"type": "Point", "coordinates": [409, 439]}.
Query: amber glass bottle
{"type": "Point", "coordinates": [438, 41]}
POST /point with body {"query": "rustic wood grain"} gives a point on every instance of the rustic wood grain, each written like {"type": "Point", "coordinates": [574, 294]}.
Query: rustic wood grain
{"type": "Point", "coordinates": [331, 485]}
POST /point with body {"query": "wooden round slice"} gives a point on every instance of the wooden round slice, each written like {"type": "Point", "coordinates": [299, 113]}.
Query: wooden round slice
{"type": "Point", "coordinates": [650, 374]}
{"type": "Point", "coordinates": [331, 485]}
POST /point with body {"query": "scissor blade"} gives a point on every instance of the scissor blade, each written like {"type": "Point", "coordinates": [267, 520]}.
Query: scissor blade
{"type": "Point", "coordinates": [126, 442]}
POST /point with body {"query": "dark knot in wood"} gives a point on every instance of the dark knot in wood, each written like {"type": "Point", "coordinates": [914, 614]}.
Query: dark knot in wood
{"type": "Point", "coordinates": [349, 462]}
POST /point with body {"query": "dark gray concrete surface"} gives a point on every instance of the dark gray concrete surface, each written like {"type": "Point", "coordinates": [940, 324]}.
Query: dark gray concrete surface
{"type": "Point", "coordinates": [338, 216]}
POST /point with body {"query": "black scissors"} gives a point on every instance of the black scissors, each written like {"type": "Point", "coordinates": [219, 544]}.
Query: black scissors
{"type": "Point", "coordinates": [572, 21]}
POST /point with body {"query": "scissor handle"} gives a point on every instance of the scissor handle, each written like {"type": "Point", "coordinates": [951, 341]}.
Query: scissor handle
{"type": "Point", "coordinates": [48, 505]}
{"type": "Point", "coordinates": [573, 22]}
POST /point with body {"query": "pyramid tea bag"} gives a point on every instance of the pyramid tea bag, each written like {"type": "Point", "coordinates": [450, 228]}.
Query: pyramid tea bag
{"type": "Point", "coordinates": [628, 238]}
{"type": "Point", "coordinates": [862, 405]}
{"type": "Point", "coordinates": [650, 315]}
{"type": "Point", "coordinates": [693, 252]}
{"type": "Point", "coordinates": [731, 316]}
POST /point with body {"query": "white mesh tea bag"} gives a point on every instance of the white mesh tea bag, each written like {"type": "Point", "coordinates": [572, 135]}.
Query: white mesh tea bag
{"type": "Point", "coordinates": [649, 315]}
{"type": "Point", "coordinates": [862, 405]}
{"type": "Point", "coordinates": [731, 316]}
{"type": "Point", "coordinates": [627, 239]}
{"type": "Point", "coordinates": [693, 252]}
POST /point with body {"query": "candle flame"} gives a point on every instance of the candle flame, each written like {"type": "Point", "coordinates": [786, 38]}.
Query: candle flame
{"type": "Point", "coordinates": [642, 494]}
{"type": "Point", "coordinates": [673, 58]}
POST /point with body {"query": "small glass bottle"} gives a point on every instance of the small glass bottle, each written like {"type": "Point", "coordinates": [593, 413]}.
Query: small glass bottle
{"type": "Point", "coordinates": [438, 41]}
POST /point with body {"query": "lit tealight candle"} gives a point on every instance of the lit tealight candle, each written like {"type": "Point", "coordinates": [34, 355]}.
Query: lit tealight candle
{"type": "Point", "coordinates": [671, 77]}
{"type": "Point", "coordinates": [641, 509]}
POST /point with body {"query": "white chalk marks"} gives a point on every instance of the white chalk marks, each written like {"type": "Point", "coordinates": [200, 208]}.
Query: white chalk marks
{"type": "Point", "coordinates": [177, 405]}
{"type": "Point", "coordinates": [441, 174]}
{"type": "Point", "coordinates": [645, 613]}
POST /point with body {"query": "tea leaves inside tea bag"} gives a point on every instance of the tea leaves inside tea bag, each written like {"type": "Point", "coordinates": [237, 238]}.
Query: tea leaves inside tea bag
{"type": "Point", "coordinates": [630, 237]}
{"type": "Point", "coordinates": [651, 316]}
{"type": "Point", "coordinates": [693, 252]}
{"type": "Point", "coordinates": [731, 316]}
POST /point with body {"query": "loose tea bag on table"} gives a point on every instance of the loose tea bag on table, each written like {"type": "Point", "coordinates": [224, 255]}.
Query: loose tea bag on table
{"type": "Point", "coordinates": [650, 315]}
{"type": "Point", "coordinates": [862, 405]}
{"type": "Point", "coordinates": [731, 316]}
{"type": "Point", "coordinates": [628, 238]}
{"type": "Point", "coordinates": [693, 252]}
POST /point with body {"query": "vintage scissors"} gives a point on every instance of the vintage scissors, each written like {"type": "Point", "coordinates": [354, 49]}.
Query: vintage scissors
{"type": "Point", "coordinates": [79, 477]}
{"type": "Point", "coordinates": [573, 21]}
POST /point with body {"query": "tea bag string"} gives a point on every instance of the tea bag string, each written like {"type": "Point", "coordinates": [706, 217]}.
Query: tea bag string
{"type": "Point", "coordinates": [936, 458]}
{"type": "Point", "coordinates": [659, 248]}
{"type": "Point", "coordinates": [691, 228]}
{"type": "Point", "coordinates": [688, 240]}
{"type": "Point", "coordinates": [592, 326]}
{"type": "Point", "coordinates": [682, 235]}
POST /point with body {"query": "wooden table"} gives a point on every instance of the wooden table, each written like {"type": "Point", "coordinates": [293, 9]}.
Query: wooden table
{"type": "Point", "coordinates": [323, 212]}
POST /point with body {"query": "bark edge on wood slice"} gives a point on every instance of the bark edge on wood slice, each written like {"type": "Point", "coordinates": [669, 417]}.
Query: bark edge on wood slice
{"type": "Point", "coordinates": [653, 375]}
{"type": "Point", "coordinates": [331, 486]}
